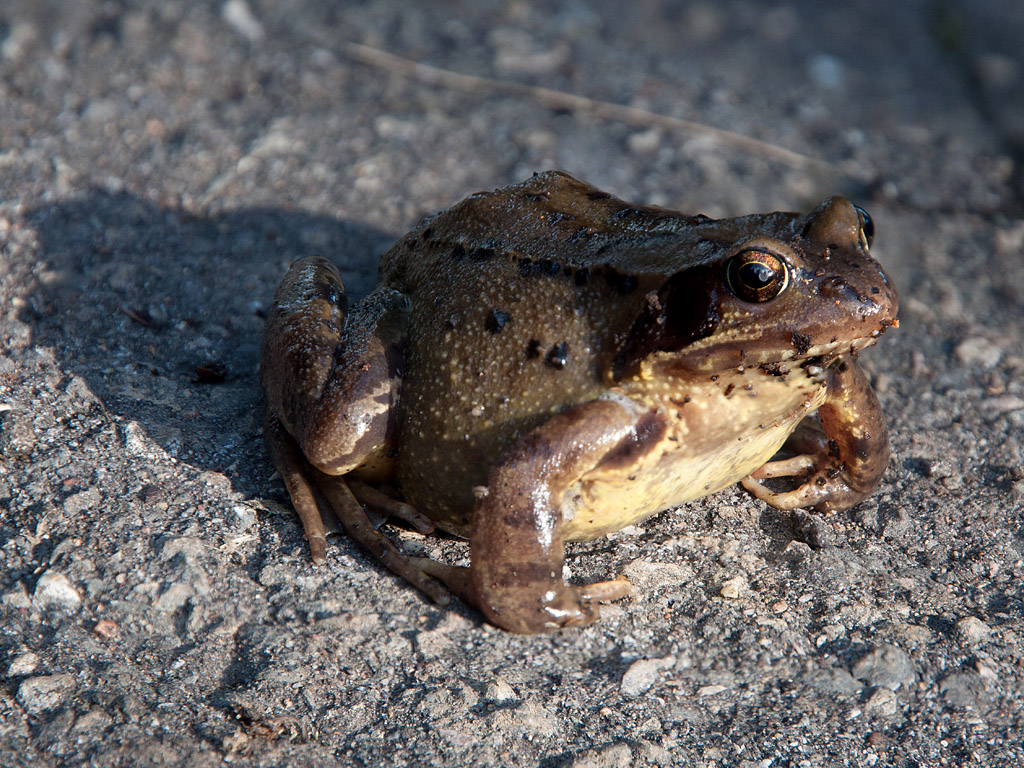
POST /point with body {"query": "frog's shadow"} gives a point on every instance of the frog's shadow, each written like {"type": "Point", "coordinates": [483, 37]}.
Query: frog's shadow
{"type": "Point", "coordinates": [148, 305]}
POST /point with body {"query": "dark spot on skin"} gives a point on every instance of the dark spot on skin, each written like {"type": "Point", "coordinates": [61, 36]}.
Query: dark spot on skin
{"type": "Point", "coordinates": [581, 233]}
{"type": "Point", "coordinates": [597, 195]}
{"type": "Point", "coordinates": [649, 430]}
{"type": "Point", "coordinates": [328, 290]}
{"type": "Point", "coordinates": [801, 342]}
{"type": "Point", "coordinates": [729, 389]}
{"type": "Point", "coordinates": [458, 251]}
{"type": "Point", "coordinates": [582, 276]}
{"type": "Point", "coordinates": [622, 283]}
{"type": "Point", "coordinates": [533, 349]}
{"type": "Point", "coordinates": [427, 234]}
{"type": "Point", "coordinates": [558, 355]}
{"type": "Point", "coordinates": [481, 254]}
{"type": "Point", "coordinates": [774, 369]}
{"type": "Point", "coordinates": [497, 320]}
{"type": "Point", "coordinates": [861, 447]}
{"type": "Point", "coordinates": [546, 267]}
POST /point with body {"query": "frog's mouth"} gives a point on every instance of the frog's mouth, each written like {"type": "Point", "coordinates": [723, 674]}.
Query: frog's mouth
{"type": "Point", "coordinates": [805, 348]}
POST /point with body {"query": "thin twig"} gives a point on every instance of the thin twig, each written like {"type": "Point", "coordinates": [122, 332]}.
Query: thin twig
{"type": "Point", "coordinates": [561, 100]}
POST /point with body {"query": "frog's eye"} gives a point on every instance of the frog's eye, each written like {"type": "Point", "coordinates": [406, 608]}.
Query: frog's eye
{"type": "Point", "coordinates": [867, 227]}
{"type": "Point", "coordinates": [756, 275]}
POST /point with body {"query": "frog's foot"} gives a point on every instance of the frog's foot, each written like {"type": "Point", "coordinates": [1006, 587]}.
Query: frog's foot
{"type": "Point", "coordinates": [459, 580]}
{"type": "Point", "coordinates": [357, 525]}
{"type": "Point", "coordinates": [390, 506]}
{"type": "Point", "coordinates": [825, 487]}
{"type": "Point", "coordinates": [563, 606]}
{"type": "Point", "coordinates": [455, 577]}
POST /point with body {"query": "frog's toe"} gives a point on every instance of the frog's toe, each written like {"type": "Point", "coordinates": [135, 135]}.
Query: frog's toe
{"type": "Point", "coordinates": [807, 495]}
{"type": "Point", "coordinates": [791, 467]}
{"type": "Point", "coordinates": [605, 591]}
{"type": "Point", "coordinates": [826, 490]}
{"type": "Point", "coordinates": [456, 577]}
{"type": "Point", "coordinates": [390, 506]}
{"type": "Point", "coordinates": [357, 525]}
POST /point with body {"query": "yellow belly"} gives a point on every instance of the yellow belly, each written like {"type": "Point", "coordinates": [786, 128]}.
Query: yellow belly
{"type": "Point", "coordinates": [710, 452]}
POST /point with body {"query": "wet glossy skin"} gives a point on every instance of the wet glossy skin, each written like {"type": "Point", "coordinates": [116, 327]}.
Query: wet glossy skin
{"type": "Point", "coordinates": [548, 363]}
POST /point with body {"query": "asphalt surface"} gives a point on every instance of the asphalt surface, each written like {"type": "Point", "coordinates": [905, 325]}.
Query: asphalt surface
{"type": "Point", "coordinates": [162, 163]}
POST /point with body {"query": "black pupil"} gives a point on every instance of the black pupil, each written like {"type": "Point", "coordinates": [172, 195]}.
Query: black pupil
{"type": "Point", "coordinates": [757, 275]}
{"type": "Point", "coordinates": [866, 223]}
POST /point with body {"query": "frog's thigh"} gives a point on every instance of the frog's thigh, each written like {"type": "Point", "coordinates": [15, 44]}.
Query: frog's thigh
{"type": "Point", "coordinates": [330, 375]}
{"type": "Point", "coordinates": [350, 418]}
{"type": "Point", "coordinates": [517, 541]}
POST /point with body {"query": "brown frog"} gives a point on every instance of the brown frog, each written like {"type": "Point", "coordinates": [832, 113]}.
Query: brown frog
{"type": "Point", "coordinates": [547, 363]}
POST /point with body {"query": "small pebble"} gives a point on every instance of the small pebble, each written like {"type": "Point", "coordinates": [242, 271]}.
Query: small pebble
{"type": "Point", "coordinates": [733, 588]}
{"type": "Point", "coordinates": [973, 630]}
{"type": "Point", "coordinates": [106, 629]}
{"type": "Point", "coordinates": [882, 702]}
{"type": "Point", "coordinates": [978, 352]}
{"type": "Point", "coordinates": [54, 591]}
{"type": "Point", "coordinates": [500, 692]}
{"type": "Point", "coordinates": [23, 664]}
{"type": "Point", "coordinates": [643, 674]}
{"type": "Point", "coordinates": [45, 692]}
{"type": "Point", "coordinates": [885, 666]}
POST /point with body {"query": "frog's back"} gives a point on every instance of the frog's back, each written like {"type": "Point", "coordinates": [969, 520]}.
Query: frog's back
{"type": "Point", "coordinates": [554, 224]}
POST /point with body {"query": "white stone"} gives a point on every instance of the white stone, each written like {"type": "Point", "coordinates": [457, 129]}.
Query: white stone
{"type": "Point", "coordinates": [54, 591]}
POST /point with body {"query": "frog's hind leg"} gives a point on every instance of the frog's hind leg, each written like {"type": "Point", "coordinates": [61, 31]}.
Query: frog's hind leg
{"type": "Point", "coordinates": [390, 506]}
{"type": "Point", "coordinates": [294, 470]}
{"type": "Point", "coordinates": [357, 525]}
{"type": "Point", "coordinates": [289, 462]}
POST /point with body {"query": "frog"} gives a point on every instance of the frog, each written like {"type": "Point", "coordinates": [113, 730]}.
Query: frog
{"type": "Point", "coordinates": [547, 363]}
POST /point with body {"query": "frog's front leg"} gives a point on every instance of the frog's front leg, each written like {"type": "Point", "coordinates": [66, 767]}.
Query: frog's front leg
{"type": "Point", "coordinates": [517, 541]}
{"type": "Point", "coordinates": [846, 460]}
{"type": "Point", "coordinates": [331, 381]}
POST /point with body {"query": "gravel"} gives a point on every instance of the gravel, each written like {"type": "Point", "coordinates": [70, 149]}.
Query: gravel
{"type": "Point", "coordinates": [161, 163]}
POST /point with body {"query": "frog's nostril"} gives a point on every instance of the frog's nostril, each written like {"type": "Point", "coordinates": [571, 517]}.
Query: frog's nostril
{"type": "Point", "coordinates": [835, 287]}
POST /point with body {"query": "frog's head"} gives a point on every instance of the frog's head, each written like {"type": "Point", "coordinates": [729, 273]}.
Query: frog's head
{"type": "Point", "coordinates": [776, 288]}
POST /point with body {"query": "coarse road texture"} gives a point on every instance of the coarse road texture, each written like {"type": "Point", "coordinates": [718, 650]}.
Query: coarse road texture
{"type": "Point", "coordinates": [161, 163]}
